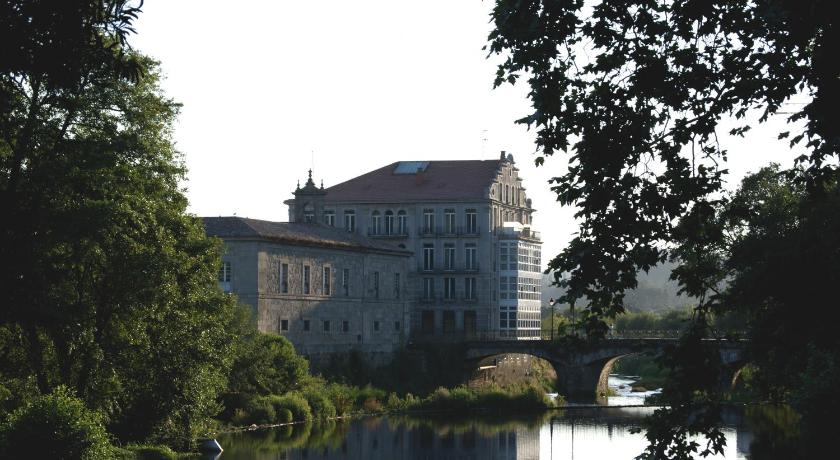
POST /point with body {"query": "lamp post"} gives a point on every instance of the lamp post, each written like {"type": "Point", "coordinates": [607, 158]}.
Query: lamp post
{"type": "Point", "coordinates": [551, 302]}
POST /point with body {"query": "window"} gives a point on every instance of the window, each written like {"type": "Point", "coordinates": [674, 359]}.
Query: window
{"type": "Point", "coordinates": [448, 321]}
{"type": "Point", "coordinates": [449, 288]}
{"type": "Point", "coordinates": [428, 257]}
{"type": "Point", "coordinates": [449, 256]}
{"type": "Point", "coordinates": [326, 326]}
{"type": "Point", "coordinates": [376, 326]}
{"type": "Point", "coordinates": [507, 193]}
{"type": "Point", "coordinates": [470, 252]}
{"type": "Point", "coordinates": [428, 288]}
{"type": "Point", "coordinates": [471, 221]}
{"type": "Point", "coordinates": [224, 276]}
{"type": "Point", "coordinates": [396, 285]}
{"type": "Point", "coordinates": [427, 321]}
{"type": "Point", "coordinates": [308, 213]}
{"type": "Point", "coordinates": [449, 221]}
{"type": "Point", "coordinates": [329, 218]}
{"type": "Point", "coordinates": [345, 326]}
{"type": "Point", "coordinates": [284, 325]}
{"type": "Point", "coordinates": [428, 221]}
{"type": "Point", "coordinates": [350, 221]}
{"type": "Point", "coordinates": [376, 285]}
{"type": "Point", "coordinates": [284, 278]}
{"type": "Point", "coordinates": [306, 325]}
{"type": "Point", "coordinates": [327, 281]}
{"type": "Point", "coordinates": [375, 223]}
{"type": "Point", "coordinates": [396, 325]}
{"type": "Point", "coordinates": [389, 222]}
{"type": "Point", "coordinates": [306, 277]}
{"type": "Point", "coordinates": [345, 281]}
{"type": "Point", "coordinates": [469, 289]}
{"type": "Point", "coordinates": [224, 272]}
{"type": "Point", "coordinates": [402, 223]}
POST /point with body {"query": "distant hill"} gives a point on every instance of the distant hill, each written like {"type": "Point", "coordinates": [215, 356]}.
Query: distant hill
{"type": "Point", "coordinates": [656, 292]}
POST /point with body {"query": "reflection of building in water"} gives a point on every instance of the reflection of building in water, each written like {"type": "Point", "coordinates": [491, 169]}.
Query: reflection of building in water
{"type": "Point", "coordinates": [377, 440]}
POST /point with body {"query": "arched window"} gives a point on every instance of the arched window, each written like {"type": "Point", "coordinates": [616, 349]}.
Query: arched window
{"type": "Point", "coordinates": [375, 223]}
{"type": "Point", "coordinates": [389, 222]}
{"type": "Point", "coordinates": [402, 223]}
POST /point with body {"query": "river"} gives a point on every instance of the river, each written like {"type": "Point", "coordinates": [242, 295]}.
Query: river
{"type": "Point", "coordinates": [577, 433]}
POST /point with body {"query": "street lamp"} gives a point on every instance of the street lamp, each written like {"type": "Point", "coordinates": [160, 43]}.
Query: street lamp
{"type": "Point", "coordinates": [552, 302]}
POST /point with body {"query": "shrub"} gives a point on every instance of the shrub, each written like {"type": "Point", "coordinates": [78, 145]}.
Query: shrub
{"type": "Point", "coordinates": [147, 452]}
{"type": "Point", "coordinates": [321, 407]}
{"type": "Point", "coordinates": [258, 411]}
{"type": "Point", "coordinates": [284, 415]}
{"type": "Point", "coordinates": [372, 405]}
{"type": "Point", "coordinates": [342, 398]}
{"type": "Point", "coordinates": [294, 403]}
{"type": "Point", "coordinates": [57, 425]}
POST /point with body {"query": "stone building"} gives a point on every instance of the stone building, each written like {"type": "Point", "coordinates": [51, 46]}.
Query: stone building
{"type": "Point", "coordinates": [476, 261]}
{"type": "Point", "coordinates": [325, 289]}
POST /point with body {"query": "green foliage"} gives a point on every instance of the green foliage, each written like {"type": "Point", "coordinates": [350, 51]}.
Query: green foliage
{"type": "Point", "coordinates": [149, 452]}
{"type": "Point", "coordinates": [264, 363]}
{"type": "Point", "coordinates": [672, 320]}
{"type": "Point", "coordinates": [322, 408]}
{"type": "Point", "coordinates": [113, 293]}
{"type": "Point", "coordinates": [634, 93]}
{"type": "Point", "coordinates": [57, 425]}
{"type": "Point", "coordinates": [294, 403]}
{"type": "Point", "coordinates": [462, 398]}
{"type": "Point", "coordinates": [342, 398]}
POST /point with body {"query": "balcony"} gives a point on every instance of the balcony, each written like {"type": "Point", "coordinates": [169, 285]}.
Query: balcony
{"type": "Point", "coordinates": [448, 271]}
{"type": "Point", "coordinates": [441, 299]}
{"type": "Point", "coordinates": [449, 232]}
{"type": "Point", "coordinates": [374, 233]}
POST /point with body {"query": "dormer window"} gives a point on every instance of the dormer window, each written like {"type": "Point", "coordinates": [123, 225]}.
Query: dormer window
{"type": "Point", "coordinates": [308, 213]}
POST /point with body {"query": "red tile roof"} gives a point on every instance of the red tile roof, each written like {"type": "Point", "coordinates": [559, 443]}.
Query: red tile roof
{"type": "Point", "coordinates": [442, 180]}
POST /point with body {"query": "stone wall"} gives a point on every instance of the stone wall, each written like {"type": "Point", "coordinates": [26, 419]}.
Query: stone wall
{"type": "Point", "coordinates": [323, 323]}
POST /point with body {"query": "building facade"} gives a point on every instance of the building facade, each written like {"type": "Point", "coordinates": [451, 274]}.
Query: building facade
{"type": "Point", "coordinates": [326, 290]}
{"type": "Point", "coordinates": [476, 263]}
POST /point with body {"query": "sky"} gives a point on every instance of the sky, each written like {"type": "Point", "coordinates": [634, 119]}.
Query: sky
{"type": "Point", "coordinates": [272, 88]}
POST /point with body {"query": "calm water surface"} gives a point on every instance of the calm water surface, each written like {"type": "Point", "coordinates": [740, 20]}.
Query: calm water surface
{"type": "Point", "coordinates": [573, 433]}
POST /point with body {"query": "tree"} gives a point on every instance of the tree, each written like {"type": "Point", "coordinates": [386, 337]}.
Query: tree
{"type": "Point", "coordinates": [109, 286]}
{"type": "Point", "coordinates": [634, 92]}
{"type": "Point", "coordinates": [265, 364]}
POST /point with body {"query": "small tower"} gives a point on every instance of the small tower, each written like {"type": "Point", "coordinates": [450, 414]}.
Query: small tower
{"type": "Point", "coordinates": [308, 203]}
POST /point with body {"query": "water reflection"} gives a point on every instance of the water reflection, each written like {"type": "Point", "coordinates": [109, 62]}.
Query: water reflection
{"type": "Point", "coordinates": [566, 434]}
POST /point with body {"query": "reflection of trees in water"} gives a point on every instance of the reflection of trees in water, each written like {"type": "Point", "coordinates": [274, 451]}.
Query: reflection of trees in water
{"type": "Point", "coordinates": [767, 431]}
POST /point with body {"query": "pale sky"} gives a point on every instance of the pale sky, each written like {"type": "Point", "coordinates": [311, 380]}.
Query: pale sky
{"type": "Point", "coordinates": [362, 84]}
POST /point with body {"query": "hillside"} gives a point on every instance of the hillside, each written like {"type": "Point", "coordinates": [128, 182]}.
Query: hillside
{"type": "Point", "coordinates": [656, 292]}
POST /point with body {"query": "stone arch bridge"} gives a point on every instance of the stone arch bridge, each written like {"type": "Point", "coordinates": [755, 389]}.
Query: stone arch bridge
{"type": "Point", "coordinates": [582, 369]}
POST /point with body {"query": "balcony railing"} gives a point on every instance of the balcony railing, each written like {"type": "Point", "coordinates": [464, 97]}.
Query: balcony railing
{"type": "Point", "coordinates": [439, 299]}
{"type": "Point", "coordinates": [445, 270]}
{"type": "Point", "coordinates": [449, 231]}
{"type": "Point", "coordinates": [379, 233]}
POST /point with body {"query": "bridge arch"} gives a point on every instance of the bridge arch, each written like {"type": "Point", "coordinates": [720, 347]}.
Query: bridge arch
{"type": "Point", "coordinates": [583, 368]}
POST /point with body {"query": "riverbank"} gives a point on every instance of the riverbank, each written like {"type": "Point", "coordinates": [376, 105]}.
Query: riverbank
{"type": "Point", "coordinates": [337, 401]}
